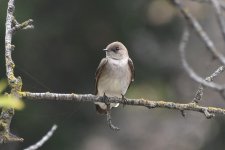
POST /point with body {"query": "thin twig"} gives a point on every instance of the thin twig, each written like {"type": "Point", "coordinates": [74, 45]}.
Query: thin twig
{"type": "Point", "coordinates": [43, 139]}
{"type": "Point", "coordinates": [217, 6]}
{"type": "Point", "coordinates": [199, 93]}
{"type": "Point", "coordinates": [108, 114]}
{"type": "Point", "coordinates": [23, 26]}
{"type": "Point", "coordinates": [221, 2]}
{"type": "Point", "coordinates": [109, 119]}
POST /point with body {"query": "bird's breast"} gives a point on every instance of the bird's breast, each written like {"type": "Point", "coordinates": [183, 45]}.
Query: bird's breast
{"type": "Point", "coordinates": [115, 79]}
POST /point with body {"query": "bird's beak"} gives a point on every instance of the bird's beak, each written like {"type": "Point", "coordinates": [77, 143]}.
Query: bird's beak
{"type": "Point", "coordinates": [105, 49]}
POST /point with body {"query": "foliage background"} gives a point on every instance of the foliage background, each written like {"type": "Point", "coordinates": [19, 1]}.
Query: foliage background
{"type": "Point", "coordinates": [63, 51]}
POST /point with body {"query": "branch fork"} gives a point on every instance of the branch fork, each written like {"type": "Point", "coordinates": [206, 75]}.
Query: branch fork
{"type": "Point", "coordinates": [22, 26]}
{"type": "Point", "coordinates": [14, 82]}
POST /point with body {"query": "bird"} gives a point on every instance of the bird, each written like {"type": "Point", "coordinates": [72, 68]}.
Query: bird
{"type": "Point", "coordinates": [114, 75]}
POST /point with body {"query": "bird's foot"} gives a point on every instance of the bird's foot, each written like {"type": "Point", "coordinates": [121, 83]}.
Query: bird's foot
{"type": "Point", "coordinates": [124, 99]}
{"type": "Point", "coordinates": [106, 99]}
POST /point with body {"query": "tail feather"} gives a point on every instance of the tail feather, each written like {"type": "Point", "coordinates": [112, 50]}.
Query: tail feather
{"type": "Point", "coordinates": [100, 110]}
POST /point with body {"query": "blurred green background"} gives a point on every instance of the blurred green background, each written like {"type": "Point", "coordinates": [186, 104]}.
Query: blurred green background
{"type": "Point", "coordinates": [63, 51]}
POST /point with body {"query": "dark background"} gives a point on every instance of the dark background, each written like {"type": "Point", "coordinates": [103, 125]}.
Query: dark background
{"type": "Point", "coordinates": [63, 51]}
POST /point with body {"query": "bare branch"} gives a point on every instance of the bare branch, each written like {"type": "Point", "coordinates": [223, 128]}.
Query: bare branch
{"type": "Point", "coordinates": [221, 2]}
{"type": "Point", "coordinates": [199, 93]}
{"type": "Point", "coordinates": [15, 83]}
{"type": "Point", "coordinates": [215, 74]}
{"type": "Point", "coordinates": [43, 140]}
{"type": "Point", "coordinates": [191, 73]}
{"type": "Point", "coordinates": [207, 41]}
{"type": "Point", "coordinates": [200, 32]}
{"type": "Point", "coordinates": [11, 26]}
{"type": "Point", "coordinates": [217, 6]}
{"type": "Point", "coordinates": [8, 45]}
{"type": "Point", "coordinates": [134, 102]}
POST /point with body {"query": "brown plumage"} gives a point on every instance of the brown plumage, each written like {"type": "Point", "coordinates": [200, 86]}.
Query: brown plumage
{"type": "Point", "coordinates": [112, 71]}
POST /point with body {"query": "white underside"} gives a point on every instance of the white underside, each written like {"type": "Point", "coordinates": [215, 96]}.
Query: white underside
{"type": "Point", "coordinates": [103, 105]}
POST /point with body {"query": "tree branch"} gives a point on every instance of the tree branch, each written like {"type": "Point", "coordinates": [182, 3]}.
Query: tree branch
{"type": "Point", "coordinates": [217, 6]}
{"type": "Point", "coordinates": [199, 93]}
{"type": "Point", "coordinates": [43, 139]}
{"type": "Point", "coordinates": [199, 30]}
{"type": "Point", "coordinates": [14, 82]}
{"type": "Point", "coordinates": [203, 82]}
{"type": "Point", "coordinates": [221, 2]}
{"type": "Point", "coordinates": [134, 102]}
{"type": "Point", "coordinates": [189, 70]}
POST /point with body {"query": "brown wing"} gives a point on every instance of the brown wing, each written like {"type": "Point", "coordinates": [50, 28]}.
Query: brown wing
{"type": "Point", "coordinates": [98, 73]}
{"type": "Point", "coordinates": [131, 65]}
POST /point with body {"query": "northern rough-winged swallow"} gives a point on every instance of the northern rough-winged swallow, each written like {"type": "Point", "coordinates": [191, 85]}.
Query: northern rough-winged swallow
{"type": "Point", "coordinates": [114, 74]}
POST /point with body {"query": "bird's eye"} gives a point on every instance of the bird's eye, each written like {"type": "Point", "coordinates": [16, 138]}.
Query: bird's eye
{"type": "Point", "coordinates": [117, 48]}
